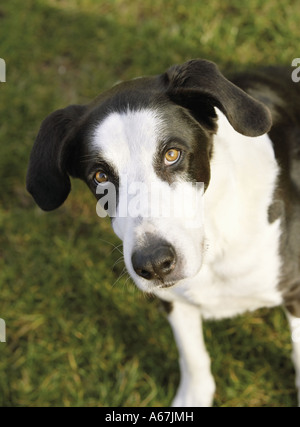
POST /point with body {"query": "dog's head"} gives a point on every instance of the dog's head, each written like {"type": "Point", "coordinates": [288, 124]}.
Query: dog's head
{"type": "Point", "coordinates": [143, 148]}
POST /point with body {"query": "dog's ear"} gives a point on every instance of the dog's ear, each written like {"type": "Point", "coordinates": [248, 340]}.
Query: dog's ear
{"type": "Point", "coordinates": [198, 84]}
{"type": "Point", "coordinates": [47, 176]}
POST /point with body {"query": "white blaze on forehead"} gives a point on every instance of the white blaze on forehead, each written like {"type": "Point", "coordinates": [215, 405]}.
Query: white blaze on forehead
{"type": "Point", "coordinates": [128, 141]}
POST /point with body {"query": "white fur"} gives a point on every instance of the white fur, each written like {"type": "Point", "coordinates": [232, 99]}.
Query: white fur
{"type": "Point", "coordinates": [128, 141]}
{"type": "Point", "coordinates": [197, 385]}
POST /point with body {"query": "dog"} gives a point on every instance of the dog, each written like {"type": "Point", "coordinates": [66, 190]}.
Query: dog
{"type": "Point", "coordinates": [240, 138]}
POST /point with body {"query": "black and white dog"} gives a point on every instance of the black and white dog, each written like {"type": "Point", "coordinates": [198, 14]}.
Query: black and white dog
{"type": "Point", "coordinates": [241, 139]}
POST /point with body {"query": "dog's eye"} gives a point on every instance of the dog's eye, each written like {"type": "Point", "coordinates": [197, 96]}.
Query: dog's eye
{"type": "Point", "coordinates": [100, 177]}
{"type": "Point", "coordinates": [172, 156]}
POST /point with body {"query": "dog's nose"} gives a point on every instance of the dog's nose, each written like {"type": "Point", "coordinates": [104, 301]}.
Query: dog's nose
{"type": "Point", "coordinates": [154, 262]}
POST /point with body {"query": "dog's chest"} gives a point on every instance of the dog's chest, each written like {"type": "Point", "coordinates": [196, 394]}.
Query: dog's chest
{"type": "Point", "coordinates": [243, 279]}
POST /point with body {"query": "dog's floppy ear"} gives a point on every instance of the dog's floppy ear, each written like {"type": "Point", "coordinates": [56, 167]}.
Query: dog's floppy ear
{"type": "Point", "coordinates": [47, 177]}
{"type": "Point", "coordinates": [201, 79]}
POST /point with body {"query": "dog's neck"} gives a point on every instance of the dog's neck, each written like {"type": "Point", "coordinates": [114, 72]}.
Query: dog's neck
{"type": "Point", "coordinates": [243, 175]}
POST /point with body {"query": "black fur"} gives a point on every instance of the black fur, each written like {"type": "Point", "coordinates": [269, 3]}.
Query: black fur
{"type": "Point", "coordinates": [47, 177]}
{"type": "Point", "coordinates": [200, 79]}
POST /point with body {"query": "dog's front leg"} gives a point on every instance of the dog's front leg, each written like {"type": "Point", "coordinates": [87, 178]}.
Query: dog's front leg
{"type": "Point", "coordinates": [197, 385]}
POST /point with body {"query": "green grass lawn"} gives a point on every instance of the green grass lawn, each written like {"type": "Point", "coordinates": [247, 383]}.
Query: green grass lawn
{"type": "Point", "coordinates": [78, 331]}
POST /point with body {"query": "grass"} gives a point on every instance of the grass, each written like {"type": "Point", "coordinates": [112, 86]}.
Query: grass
{"type": "Point", "coordinates": [78, 332]}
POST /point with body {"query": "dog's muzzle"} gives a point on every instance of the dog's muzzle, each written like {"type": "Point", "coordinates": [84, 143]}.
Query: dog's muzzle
{"type": "Point", "coordinates": [156, 262]}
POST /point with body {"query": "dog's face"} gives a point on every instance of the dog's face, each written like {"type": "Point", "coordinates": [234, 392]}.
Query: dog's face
{"type": "Point", "coordinates": [144, 149]}
{"type": "Point", "coordinates": [154, 157]}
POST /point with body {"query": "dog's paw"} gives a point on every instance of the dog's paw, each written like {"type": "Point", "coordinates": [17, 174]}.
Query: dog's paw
{"type": "Point", "coordinates": [191, 394]}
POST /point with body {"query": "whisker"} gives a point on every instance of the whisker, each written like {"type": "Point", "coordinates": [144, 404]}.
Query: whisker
{"type": "Point", "coordinates": [129, 282]}
{"type": "Point", "coordinates": [114, 246]}
{"type": "Point", "coordinates": [123, 273]}
{"type": "Point", "coordinates": [128, 279]}
{"type": "Point", "coordinates": [119, 260]}
{"type": "Point", "coordinates": [118, 249]}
